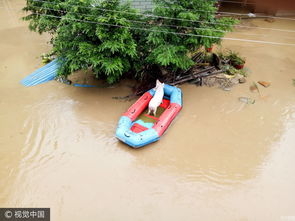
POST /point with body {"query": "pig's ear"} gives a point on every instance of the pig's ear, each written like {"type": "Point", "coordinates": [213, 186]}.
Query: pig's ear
{"type": "Point", "coordinates": [158, 82]}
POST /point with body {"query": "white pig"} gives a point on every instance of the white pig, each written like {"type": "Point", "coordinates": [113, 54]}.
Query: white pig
{"type": "Point", "coordinates": [157, 99]}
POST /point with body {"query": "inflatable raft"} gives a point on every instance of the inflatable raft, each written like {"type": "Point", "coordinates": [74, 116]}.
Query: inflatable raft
{"type": "Point", "coordinates": [136, 128]}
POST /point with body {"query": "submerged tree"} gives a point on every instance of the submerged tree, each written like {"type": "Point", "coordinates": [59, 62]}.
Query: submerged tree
{"type": "Point", "coordinates": [98, 38]}
{"type": "Point", "coordinates": [112, 38]}
{"type": "Point", "coordinates": [87, 35]}
{"type": "Point", "coordinates": [181, 28]}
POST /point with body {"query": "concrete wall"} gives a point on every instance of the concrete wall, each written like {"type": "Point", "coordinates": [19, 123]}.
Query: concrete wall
{"type": "Point", "coordinates": [142, 5]}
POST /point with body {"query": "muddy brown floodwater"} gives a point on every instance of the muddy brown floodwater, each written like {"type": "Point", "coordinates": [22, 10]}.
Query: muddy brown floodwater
{"type": "Point", "coordinates": [220, 160]}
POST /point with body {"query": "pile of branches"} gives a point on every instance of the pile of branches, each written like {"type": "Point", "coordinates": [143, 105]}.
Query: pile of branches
{"type": "Point", "coordinates": [194, 75]}
{"type": "Point", "coordinates": [198, 72]}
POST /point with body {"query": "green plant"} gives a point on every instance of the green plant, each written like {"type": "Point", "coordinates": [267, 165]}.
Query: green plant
{"type": "Point", "coordinates": [229, 57]}
{"type": "Point", "coordinates": [106, 49]}
{"type": "Point", "coordinates": [207, 58]}
{"type": "Point", "coordinates": [195, 19]}
{"type": "Point", "coordinates": [230, 70]}
{"type": "Point", "coordinates": [111, 38]}
{"type": "Point", "coordinates": [243, 72]}
{"type": "Point", "coordinates": [50, 23]}
{"type": "Point", "coordinates": [235, 58]}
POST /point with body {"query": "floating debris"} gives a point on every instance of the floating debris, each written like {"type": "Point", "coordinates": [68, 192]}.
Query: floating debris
{"type": "Point", "coordinates": [46, 58]}
{"type": "Point", "coordinates": [63, 79]}
{"type": "Point", "coordinates": [264, 83]}
{"type": "Point", "coordinates": [270, 20]}
{"type": "Point", "coordinates": [210, 69]}
{"type": "Point", "coordinates": [254, 87]}
{"type": "Point", "coordinates": [251, 15]}
{"type": "Point", "coordinates": [247, 100]}
{"type": "Point", "coordinates": [242, 80]}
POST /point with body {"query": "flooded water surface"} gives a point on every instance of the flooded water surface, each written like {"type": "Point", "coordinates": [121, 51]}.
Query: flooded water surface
{"type": "Point", "coordinates": [220, 160]}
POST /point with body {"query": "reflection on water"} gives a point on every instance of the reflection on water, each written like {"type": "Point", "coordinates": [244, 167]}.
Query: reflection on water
{"type": "Point", "coordinates": [220, 159]}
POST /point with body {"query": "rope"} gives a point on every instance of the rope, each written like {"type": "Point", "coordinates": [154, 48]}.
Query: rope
{"type": "Point", "coordinates": [163, 25]}
{"type": "Point", "coordinates": [170, 18]}
{"type": "Point", "coordinates": [168, 32]}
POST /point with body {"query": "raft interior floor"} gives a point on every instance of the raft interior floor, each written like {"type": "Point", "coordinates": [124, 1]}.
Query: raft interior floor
{"type": "Point", "coordinates": [150, 118]}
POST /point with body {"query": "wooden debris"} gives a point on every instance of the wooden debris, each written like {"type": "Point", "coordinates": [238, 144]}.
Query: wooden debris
{"type": "Point", "coordinates": [264, 83]}
{"type": "Point", "coordinates": [200, 74]}
{"type": "Point", "coordinates": [209, 71]}
{"type": "Point", "coordinates": [254, 88]}
{"type": "Point", "coordinates": [270, 20]}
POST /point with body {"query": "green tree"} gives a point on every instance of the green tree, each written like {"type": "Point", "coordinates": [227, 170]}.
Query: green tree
{"type": "Point", "coordinates": [88, 35]}
{"type": "Point", "coordinates": [195, 19]}
{"type": "Point", "coordinates": [40, 23]}
{"type": "Point", "coordinates": [112, 38]}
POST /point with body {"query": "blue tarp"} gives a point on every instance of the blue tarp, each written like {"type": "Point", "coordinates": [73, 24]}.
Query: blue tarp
{"type": "Point", "coordinates": [42, 75]}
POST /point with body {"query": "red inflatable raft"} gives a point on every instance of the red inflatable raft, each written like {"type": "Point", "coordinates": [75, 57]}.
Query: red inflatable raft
{"type": "Point", "coordinates": [136, 128]}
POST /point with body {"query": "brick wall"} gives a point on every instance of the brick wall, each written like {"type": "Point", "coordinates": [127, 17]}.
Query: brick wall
{"type": "Point", "coordinates": [273, 6]}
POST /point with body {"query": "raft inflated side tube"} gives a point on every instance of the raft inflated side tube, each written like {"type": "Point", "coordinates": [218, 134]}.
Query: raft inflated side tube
{"type": "Point", "coordinates": [154, 133]}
